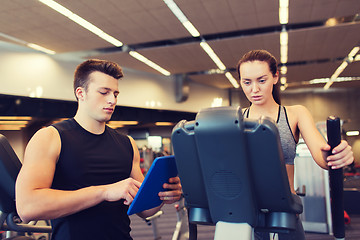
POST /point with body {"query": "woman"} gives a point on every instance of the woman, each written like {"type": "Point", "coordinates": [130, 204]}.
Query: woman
{"type": "Point", "coordinates": [259, 80]}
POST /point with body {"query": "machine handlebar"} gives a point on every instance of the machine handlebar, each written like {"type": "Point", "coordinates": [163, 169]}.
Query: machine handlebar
{"type": "Point", "coordinates": [336, 180]}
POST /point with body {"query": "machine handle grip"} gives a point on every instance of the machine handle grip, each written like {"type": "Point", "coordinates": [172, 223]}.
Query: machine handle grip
{"type": "Point", "coordinates": [336, 180]}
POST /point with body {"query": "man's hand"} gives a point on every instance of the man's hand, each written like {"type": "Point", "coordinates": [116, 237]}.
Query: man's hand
{"type": "Point", "coordinates": [174, 192]}
{"type": "Point", "coordinates": [125, 189]}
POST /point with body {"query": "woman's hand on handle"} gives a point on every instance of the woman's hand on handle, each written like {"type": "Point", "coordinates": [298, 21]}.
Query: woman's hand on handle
{"type": "Point", "coordinates": [342, 155]}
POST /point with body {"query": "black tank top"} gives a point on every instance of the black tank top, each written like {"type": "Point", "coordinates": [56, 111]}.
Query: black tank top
{"type": "Point", "coordinates": [85, 160]}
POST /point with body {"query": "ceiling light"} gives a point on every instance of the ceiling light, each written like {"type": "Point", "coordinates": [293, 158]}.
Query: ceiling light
{"type": "Point", "coordinates": [331, 22]}
{"type": "Point", "coordinates": [283, 3]}
{"type": "Point", "coordinates": [13, 122]}
{"type": "Point", "coordinates": [283, 69]}
{"type": "Point", "coordinates": [337, 72]}
{"type": "Point", "coordinates": [82, 22]}
{"type": "Point", "coordinates": [164, 124]}
{"type": "Point", "coordinates": [283, 54]}
{"type": "Point", "coordinates": [30, 45]}
{"type": "Point", "coordinates": [319, 80]}
{"type": "Point", "coordinates": [284, 38]}
{"type": "Point", "coordinates": [14, 118]}
{"type": "Point", "coordinates": [12, 127]}
{"type": "Point", "coordinates": [143, 59]}
{"type": "Point", "coordinates": [339, 79]}
{"type": "Point", "coordinates": [357, 57]}
{"type": "Point", "coordinates": [114, 123]}
{"type": "Point", "coordinates": [342, 66]}
{"type": "Point", "coordinates": [283, 11]}
{"type": "Point", "coordinates": [353, 52]}
{"type": "Point", "coordinates": [232, 80]}
{"type": "Point", "coordinates": [215, 71]}
{"type": "Point", "coordinates": [182, 18]}
{"type": "Point", "coordinates": [283, 87]}
{"type": "Point", "coordinates": [191, 29]}
{"type": "Point", "coordinates": [352, 133]}
{"type": "Point", "coordinates": [176, 10]}
{"type": "Point", "coordinates": [212, 55]}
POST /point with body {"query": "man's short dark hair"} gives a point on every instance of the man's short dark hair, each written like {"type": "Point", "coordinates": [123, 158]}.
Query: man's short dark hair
{"type": "Point", "coordinates": [82, 72]}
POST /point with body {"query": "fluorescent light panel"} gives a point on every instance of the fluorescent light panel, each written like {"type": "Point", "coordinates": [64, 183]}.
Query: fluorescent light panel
{"type": "Point", "coordinates": [353, 52]}
{"type": "Point", "coordinates": [283, 53]}
{"type": "Point", "coordinates": [342, 66]}
{"type": "Point", "coordinates": [283, 11]}
{"type": "Point", "coordinates": [30, 45]}
{"type": "Point", "coordinates": [123, 122]}
{"type": "Point", "coordinates": [339, 79]}
{"type": "Point", "coordinates": [82, 22]}
{"type": "Point", "coordinates": [283, 69]}
{"type": "Point", "coordinates": [15, 118]}
{"type": "Point", "coordinates": [40, 48]}
{"type": "Point", "coordinates": [212, 55]}
{"type": "Point", "coordinates": [143, 59]}
{"type": "Point", "coordinates": [11, 127]}
{"type": "Point", "coordinates": [182, 18]}
{"type": "Point", "coordinates": [352, 133]}
{"type": "Point", "coordinates": [195, 33]}
{"type": "Point", "coordinates": [191, 29]}
{"type": "Point", "coordinates": [13, 122]}
{"type": "Point", "coordinates": [232, 80]}
{"type": "Point", "coordinates": [284, 38]}
{"type": "Point", "coordinates": [335, 75]}
{"type": "Point", "coordinates": [164, 124]}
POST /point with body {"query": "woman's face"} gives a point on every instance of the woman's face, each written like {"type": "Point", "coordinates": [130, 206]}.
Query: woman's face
{"type": "Point", "coordinates": [257, 81]}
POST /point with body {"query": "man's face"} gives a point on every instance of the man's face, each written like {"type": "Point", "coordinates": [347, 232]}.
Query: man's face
{"type": "Point", "coordinates": [100, 99]}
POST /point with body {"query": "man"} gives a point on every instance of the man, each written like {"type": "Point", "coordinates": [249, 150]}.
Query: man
{"type": "Point", "coordinates": [82, 174]}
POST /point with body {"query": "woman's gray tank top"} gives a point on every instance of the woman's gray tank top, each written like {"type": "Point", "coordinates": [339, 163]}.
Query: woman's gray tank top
{"type": "Point", "coordinates": [288, 142]}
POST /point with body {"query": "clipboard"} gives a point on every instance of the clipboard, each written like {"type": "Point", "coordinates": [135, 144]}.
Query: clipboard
{"type": "Point", "coordinates": [159, 173]}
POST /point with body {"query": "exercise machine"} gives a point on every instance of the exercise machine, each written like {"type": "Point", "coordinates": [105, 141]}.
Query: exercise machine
{"type": "Point", "coordinates": [9, 221]}
{"type": "Point", "coordinates": [233, 174]}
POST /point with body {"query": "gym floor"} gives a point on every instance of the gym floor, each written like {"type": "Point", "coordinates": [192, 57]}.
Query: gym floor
{"type": "Point", "coordinates": [166, 226]}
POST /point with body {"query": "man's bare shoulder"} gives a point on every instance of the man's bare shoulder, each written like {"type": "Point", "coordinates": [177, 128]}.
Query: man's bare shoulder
{"type": "Point", "coordinates": [45, 141]}
{"type": "Point", "coordinates": [46, 134]}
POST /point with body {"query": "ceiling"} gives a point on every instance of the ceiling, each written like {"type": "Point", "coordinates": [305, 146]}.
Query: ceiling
{"type": "Point", "coordinates": [230, 27]}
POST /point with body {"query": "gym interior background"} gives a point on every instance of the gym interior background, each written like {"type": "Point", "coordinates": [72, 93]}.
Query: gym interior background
{"type": "Point", "coordinates": [193, 48]}
{"type": "Point", "coordinates": [316, 42]}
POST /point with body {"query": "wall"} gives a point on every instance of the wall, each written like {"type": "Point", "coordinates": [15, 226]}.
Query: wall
{"type": "Point", "coordinates": [15, 139]}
